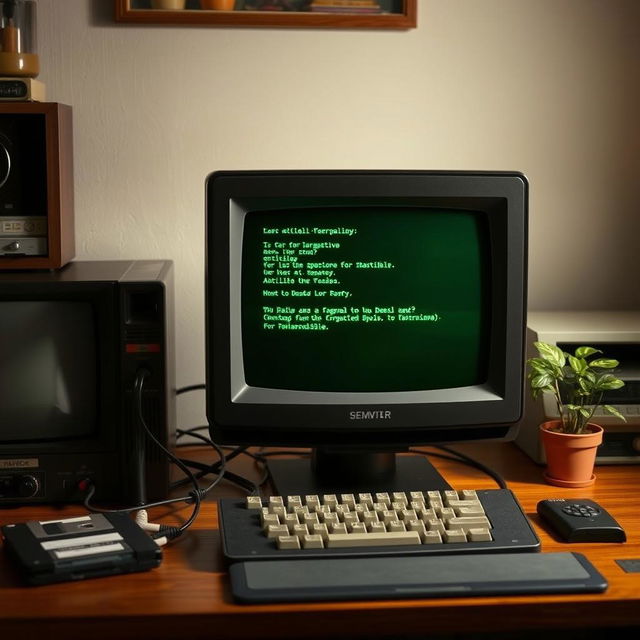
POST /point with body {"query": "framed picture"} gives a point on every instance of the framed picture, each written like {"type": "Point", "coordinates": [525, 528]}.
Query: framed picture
{"type": "Point", "coordinates": [345, 14]}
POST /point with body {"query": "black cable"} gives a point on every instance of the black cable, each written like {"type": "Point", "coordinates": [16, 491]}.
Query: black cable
{"type": "Point", "coordinates": [138, 389]}
{"type": "Point", "coordinates": [191, 387]}
{"type": "Point", "coordinates": [457, 456]}
{"type": "Point", "coordinates": [241, 481]}
{"type": "Point", "coordinates": [193, 431]}
{"type": "Point", "coordinates": [194, 496]}
{"type": "Point", "coordinates": [218, 467]}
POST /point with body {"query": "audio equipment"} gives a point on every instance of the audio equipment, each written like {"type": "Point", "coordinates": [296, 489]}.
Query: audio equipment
{"type": "Point", "coordinates": [22, 89]}
{"type": "Point", "coordinates": [36, 185]}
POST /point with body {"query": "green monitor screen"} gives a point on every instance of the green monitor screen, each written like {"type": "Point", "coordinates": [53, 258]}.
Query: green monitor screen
{"type": "Point", "coordinates": [365, 299]}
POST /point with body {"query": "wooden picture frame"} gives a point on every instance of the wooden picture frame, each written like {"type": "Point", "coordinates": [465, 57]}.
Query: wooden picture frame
{"type": "Point", "coordinates": [403, 18]}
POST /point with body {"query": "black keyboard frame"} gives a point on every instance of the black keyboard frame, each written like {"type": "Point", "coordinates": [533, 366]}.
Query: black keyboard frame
{"type": "Point", "coordinates": [243, 538]}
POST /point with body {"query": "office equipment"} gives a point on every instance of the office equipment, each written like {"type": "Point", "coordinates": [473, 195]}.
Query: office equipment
{"type": "Point", "coordinates": [423, 577]}
{"type": "Point", "coordinates": [22, 89]}
{"type": "Point", "coordinates": [79, 548]}
{"type": "Point", "coordinates": [580, 520]}
{"type": "Point", "coordinates": [189, 595]}
{"type": "Point", "coordinates": [36, 185]}
{"type": "Point", "coordinates": [359, 312]}
{"type": "Point", "coordinates": [415, 523]}
{"type": "Point", "coordinates": [617, 334]}
{"type": "Point", "coordinates": [73, 343]}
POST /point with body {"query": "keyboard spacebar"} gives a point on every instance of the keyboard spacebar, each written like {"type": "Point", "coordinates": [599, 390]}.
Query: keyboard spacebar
{"type": "Point", "coordinates": [391, 538]}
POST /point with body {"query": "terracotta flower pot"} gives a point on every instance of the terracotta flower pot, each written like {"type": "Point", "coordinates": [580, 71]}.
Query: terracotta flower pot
{"type": "Point", "coordinates": [170, 5]}
{"type": "Point", "coordinates": [570, 457]}
{"type": "Point", "coordinates": [218, 5]}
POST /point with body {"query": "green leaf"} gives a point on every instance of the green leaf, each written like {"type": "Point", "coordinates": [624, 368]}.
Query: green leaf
{"type": "Point", "coordinates": [611, 385]}
{"type": "Point", "coordinates": [613, 411]}
{"type": "Point", "coordinates": [585, 352]}
{"type": "Point", "coordinates": [536, 393]}
{"type": "Point", "coordinates": [604, 363]}
{"type": "Point", "coordinates": [608, 382]}
{"type": "Point", "coordinates": [577, 364]}
{"type": "Point", "coordinates": [551, 353]}
{"type": "Point", "coordinates": [541, 381]}
{"type": "Point", "coordinates": [585, 384]}
{"type": "Point", "coordinates": [540, 365]}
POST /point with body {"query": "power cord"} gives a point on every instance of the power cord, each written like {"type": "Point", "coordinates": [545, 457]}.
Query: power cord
{"type": "Point", "coordinates": [457, 456]}
{"type": "Point", "coordinates": [161, 533]}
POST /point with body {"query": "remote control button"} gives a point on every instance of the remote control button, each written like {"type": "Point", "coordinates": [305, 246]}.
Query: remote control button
{"type": "Point", "coordinates": [581, 510]}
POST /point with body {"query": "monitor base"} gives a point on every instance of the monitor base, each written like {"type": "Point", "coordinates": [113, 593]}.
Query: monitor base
{"type": "Point", "coordinates": [323, 474]}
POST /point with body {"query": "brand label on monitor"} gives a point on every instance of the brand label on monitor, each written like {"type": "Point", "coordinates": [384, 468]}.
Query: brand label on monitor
{"type": "Point", "coordinates": [370, 415]}
{"type": "Point", "coordinates": [20, 463]}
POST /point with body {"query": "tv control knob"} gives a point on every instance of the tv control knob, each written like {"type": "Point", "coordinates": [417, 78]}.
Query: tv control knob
{"type": "Point", "coordinates": [28, 486]}
{"type": "Point", "coordinates": [5, 164]}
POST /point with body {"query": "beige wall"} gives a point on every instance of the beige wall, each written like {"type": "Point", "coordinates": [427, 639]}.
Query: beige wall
{"type": "Point", "coordinates": [548, 87]}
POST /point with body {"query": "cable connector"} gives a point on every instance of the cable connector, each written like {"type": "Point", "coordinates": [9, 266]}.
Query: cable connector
{"type": "Point", "coordinates": [143, 522]}
{"type": "Point", "coordinates": [165, 535]}
{"type": "Point", "coordinates": [197, 496]}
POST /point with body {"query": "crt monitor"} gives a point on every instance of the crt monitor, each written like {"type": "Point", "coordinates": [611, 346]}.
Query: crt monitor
{"type": "Point", "coordinates": [361, 312]}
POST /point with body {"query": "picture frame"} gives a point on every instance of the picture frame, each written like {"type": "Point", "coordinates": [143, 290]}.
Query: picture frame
{"type": "Point", "coordinates": [335, 14]}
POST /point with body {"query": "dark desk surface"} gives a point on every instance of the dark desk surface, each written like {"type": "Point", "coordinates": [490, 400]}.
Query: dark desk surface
{"type": "Point", "coordinates": [188, 595]}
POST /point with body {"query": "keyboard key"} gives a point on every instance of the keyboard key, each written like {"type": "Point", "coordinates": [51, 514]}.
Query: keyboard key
{"type": "Point", "coordinates": [277, 530]}
{"type": "Point", "coordinates": [288, 542]}
{"type": "Point", "coordinates": [373, 539]}
{"type": "Point", "coordinates": [479, 535]}
{"type": "Point", "coordinates": [312, 541]}
{"type": "Point", "coordinates": [454, 535]}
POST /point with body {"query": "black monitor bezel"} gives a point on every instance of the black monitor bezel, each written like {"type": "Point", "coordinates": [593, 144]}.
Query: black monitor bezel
{"type": "Point", "coordinates": [502, 196]}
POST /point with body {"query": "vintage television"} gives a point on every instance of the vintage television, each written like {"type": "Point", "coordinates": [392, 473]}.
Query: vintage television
{"type": "Point", "coordinates": [73, 343]}
{"type": "Point", "coordinates": [361, 312]}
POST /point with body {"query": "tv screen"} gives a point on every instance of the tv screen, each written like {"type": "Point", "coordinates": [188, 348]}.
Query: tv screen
{"type": "Point", "coordinates": [48, 370]}
{"type": "Point", "coordinates": [365, 299]}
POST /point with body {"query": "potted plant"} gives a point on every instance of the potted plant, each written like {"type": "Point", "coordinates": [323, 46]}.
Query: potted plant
{"type": "Point", "coordinates": [170, 5]}
{"type": "Point", "coordinates": [218, 5]}
{"type": "Point", "coordinates": [578, 383]}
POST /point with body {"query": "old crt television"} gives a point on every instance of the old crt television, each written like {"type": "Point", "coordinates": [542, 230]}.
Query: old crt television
{"type": "Point", "coordinates": [72, 342]}
{"type": "Point", "coordinates": [361, 312]}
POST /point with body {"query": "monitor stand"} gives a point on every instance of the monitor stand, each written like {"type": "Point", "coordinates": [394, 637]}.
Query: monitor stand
{"type": "Point", "coordinates": [344, 471]}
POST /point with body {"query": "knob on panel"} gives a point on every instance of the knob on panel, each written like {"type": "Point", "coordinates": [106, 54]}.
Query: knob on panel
{"type": "Point", "coordinates": [28, 486]}
{"type": "Point", "coordinates": [5, 164]}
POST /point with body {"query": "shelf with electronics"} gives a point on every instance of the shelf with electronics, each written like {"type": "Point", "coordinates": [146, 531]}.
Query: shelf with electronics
{"type": "Point", "coordinates": [339, 14]}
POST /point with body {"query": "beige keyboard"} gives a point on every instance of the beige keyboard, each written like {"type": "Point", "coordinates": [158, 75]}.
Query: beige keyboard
{"type": "Point", "coordinates": [337, 521]}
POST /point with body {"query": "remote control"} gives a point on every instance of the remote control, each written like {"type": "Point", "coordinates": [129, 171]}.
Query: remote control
{"type": "Point", "coordinates": [580, 521]}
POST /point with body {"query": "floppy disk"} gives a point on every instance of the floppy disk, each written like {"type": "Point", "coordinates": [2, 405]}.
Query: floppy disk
{"type": "Point", "coordinates": [78, 548]}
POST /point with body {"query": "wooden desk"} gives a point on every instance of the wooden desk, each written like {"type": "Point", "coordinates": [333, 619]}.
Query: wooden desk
{"type": "Point", "coordinates": [188, 595]}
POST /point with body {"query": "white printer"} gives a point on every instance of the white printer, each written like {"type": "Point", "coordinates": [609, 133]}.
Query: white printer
{"type": "Point", "coordinates": [617, 335]}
